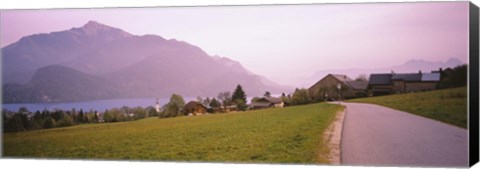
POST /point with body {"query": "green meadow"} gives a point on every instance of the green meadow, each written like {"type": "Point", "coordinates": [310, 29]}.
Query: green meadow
{"type": "Point", "coordinates": [276, 135]}
{"type": "Point", "coordinates": [447, 105]}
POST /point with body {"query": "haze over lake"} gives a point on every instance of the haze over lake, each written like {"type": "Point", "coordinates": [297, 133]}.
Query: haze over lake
{"type": "Point", "coordinates": [98, 105]}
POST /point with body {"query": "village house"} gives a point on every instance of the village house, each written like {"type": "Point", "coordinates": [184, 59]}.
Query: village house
{"type": "Point", "coordinates": [194, 108]}
{"type": "Point", "coordinates": [225, 109]}
{"type": "Point", "coordinates": [267, 102]}
{"type": "Point", "coordinates": [389, 83]}
{"type": "Point", "coordinates": [338, 86]}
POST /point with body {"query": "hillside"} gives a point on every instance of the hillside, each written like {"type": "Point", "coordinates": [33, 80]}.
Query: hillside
{"type": "Point", "coordinates": [282, 135]}
{"type": "Point", "coordinates": [58, 83]}
{"type": "Point", "coordinates": [140, 66]}
{"type": "Point", "coordinates": [447, 105]}
{"type": "Point", "coordinates": [21, 59]}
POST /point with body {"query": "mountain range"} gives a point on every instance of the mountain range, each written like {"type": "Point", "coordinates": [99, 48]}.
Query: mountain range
{"type": "Point", "coordinates": [97, 61]}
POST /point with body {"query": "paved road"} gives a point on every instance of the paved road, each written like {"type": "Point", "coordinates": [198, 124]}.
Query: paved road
{"type": "Point", "coordinates": [379, 136]}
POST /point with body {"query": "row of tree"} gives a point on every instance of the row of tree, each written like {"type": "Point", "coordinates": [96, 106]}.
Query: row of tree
{"type": "Point", "coordinates": [453, 77]}
{"type": "Point", "coordinates": [24, 120]}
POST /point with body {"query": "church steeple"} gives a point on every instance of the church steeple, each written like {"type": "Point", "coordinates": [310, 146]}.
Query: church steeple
{"type": "Point", "coordinates": [157, 106]}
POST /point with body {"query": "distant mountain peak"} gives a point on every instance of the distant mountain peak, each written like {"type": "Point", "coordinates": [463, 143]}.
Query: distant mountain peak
{"type": "Point", "coordinates": [95, 25]}
{"type": "Point", "coordinates": [454, 61]}
{"type": "Point", "coordinates": [95, 28]}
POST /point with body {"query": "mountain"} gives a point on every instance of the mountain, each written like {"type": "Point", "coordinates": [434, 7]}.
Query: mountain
{"type": "Point", "coordinates": [138, 66]}
{"type": "Point", "coordinates": [58, 83]}
{"type": "Point", "coordinates": [22, 58]}
{"type": "Point", "coordinates": [413, 65]}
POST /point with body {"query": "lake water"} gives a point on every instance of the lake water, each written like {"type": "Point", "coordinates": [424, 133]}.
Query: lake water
{"type": "Point", "coordinates": [99, 105]}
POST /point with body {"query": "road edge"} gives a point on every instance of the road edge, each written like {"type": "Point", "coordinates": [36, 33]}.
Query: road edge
{"type": "Point", "coordinates": [334, 137]}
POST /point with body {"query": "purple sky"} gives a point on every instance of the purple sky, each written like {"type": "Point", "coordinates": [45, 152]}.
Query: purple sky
{"type": "Point", "coordinates": [282, 43]}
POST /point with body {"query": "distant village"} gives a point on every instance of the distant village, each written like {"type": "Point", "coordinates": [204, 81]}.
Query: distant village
{"type": "Point", "coordinates": [332, 87]}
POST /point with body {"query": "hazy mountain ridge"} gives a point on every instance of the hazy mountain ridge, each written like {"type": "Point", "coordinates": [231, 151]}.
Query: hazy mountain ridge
{"type": "Point", "coordinates": [39, 50]}
{"type": "Point", "coordinates": [57, 83]}
{"type": "Point", "coordinates": [125, 65]}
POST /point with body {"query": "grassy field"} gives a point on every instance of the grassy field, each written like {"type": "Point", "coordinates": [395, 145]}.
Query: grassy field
{"type": "Point", "coordinates": [282, 135]}
{"type": "Point", "coordinates": [448, 105]}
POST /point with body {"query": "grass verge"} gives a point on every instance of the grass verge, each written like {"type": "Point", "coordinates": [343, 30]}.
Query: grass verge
{"type": "Point", "coordinates": [447, 105]}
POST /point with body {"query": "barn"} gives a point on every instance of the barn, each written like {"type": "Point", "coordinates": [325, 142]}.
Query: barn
{"type": "Point", "coordinates": [328, 87]}
{"type": "Point", "coordinates": [194, 108]}
{"type": "Point", "coordinates": [381, 84]}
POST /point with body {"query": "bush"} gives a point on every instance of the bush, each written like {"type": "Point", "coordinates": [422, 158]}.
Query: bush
{"type": "Point", "coordinates": [38, 124]}
{"type": "Point", "coordinates": [301, 96]}
{"type": "Point", "coordinates": [139, 113]}
{"type": "Point", "coordinates": [65, 121]}
{"type": "Point", "coordinates": [49, 123]}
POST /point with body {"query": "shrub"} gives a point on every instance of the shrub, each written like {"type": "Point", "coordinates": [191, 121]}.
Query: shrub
{"type": "Point", "coordinates": [49, 123]}
{"type": "Point", "coordinates": [65, 121]}
{"type": "Point", "coordinates": [301, 96]}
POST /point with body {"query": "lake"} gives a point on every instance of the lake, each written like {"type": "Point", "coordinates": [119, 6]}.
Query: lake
{"type": "Point", "coordinates": [99, 105]}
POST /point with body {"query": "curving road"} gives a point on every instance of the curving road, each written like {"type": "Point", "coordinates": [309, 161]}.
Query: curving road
{"type": "Point", "coordinates": [379, 136]}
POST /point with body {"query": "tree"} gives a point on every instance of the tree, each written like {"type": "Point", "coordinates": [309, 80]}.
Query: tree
{"type": "Point", "coordinates": [23, 110]}
{"type": "Point", "coordinates": [49, 123]}
{"type": "Point", "coordinates": [45, 114]}
{"type": "Point", "coordinates": [239, 94]}
{"type": "Point", "coordinates": [174, 107]}
{"type": "Point", "coordinates": [455, 77]}
{"type": "Point", "coordinates": [96, 116]}
{"type": "Point", "coordinates": [226, 99]}
{"type": "Point", "coordinates": [37, 121]}
{"type": "Point", "coordinates": [107, 117]}
{"type": "Point", "coordinates": [285, 99]}
{"type": "Point", "coordinates": [241, 105]}
{"type": "Point", "coordinates": [57, 115]}
{"type": "Point", "coordinates": [300, 96]}
{"type": "Point", "coordinates": [81, 116]}
{"type": "Point", "coordinates": [215, 103]}
{"type": "Point", "coordinates": [27, 125]}
{"type": "Point", "coordinates": [240, 98]}
{"type": "Point", "coordinates": [117, 115]}
{"type": "Point", "coordinates": [361, 77]}
{"type": "Point", "coordinates": [15, 123]}
{"type": "Point", "coordinates": [66, 121]}
{"type": "Point", "coordinates": [4, 116]}
{"type": "Point", "coordinates": [139, 113]}
{"type": "Point", "coordinates": [267, 94]}
{"type": "Point", "coordinates": [89, 116]}
{"type": "Point", "coordinates": [151, 111]}
{"type": "Point", "coordinates": [206, 102]}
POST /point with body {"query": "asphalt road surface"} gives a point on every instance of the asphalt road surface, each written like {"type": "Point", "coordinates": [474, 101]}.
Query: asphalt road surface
{"type": "Point", "coordinates": [379, 136]}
